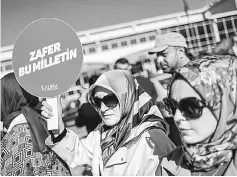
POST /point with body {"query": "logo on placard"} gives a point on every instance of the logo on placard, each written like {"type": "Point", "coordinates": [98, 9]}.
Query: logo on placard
{"type": "Point", "coordinates": [49, 87]}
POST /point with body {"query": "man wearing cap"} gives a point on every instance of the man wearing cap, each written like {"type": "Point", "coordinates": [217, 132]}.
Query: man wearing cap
{"type": "Point", "coordinates": [171, 50]}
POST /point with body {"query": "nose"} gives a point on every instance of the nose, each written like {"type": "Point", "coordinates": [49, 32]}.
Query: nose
{"type": "Point", "coordinates": [103, 107]}
{"type": "Point", "coordinates": [178, 117]}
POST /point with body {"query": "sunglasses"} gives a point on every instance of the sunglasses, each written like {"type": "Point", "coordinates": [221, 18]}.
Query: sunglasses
{"type": "Point", "coordinates": [190, 107]}
{"type": "Point", "coordinates": [110, 101]}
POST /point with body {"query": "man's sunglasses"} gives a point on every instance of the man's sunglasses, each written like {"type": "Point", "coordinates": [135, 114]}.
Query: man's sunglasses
{"type": "Point", "coordinates": [110, 101]}
{"type": "Point", "coordinates": [190, 107]}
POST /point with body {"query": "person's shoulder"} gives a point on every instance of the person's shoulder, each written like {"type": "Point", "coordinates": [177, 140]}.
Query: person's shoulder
{"type": "Point", "coordinates": [160, 137]}
{"type": "Point", "coordinates": [173, 165]}
{"type": "Point", "coordinates": [163, 143]}
{"type": "Point", "coordinates": [175, 154]}
{"type": "Point", "coordinates": [141, 78]}
{"type": "Point", "coordinates": [145, 83]}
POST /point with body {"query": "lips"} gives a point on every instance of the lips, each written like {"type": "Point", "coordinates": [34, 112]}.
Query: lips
{"type": "Point", "coordinates": [184, 131]}
{"type": "Point", "coordinates": [107, 115]}
{"type": "Point", "coordinates": [164, 66]}
{"type": "Point", "coordinates": [182, 128]}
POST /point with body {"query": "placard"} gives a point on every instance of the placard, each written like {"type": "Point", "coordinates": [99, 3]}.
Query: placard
{"type": "Point", "coordinates": [47, 58]}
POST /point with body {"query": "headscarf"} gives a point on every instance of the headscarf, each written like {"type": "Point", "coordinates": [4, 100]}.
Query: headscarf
{"type": "Point", "coordinates": [136, 108]}
{"type": "Point", "coordinates": [14, 101]}
{"type": "Point", "coordinates": [214, 79]}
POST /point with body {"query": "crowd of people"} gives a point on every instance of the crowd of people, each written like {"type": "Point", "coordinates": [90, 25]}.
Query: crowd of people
{"type": "Point", "coordinates": [181, 122]}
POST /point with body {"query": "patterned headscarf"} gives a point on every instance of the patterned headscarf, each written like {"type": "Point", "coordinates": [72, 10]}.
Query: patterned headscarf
{"type": "Point", "coordinates": [14, 101]}
{"type": "Point", "coordinates": [214, 79]}
{"type": "Point", "coordinates": [136, 108]}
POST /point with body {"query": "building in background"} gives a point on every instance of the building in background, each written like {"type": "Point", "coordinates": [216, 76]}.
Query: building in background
{"type": "Point", "coordinates": [203, 29]}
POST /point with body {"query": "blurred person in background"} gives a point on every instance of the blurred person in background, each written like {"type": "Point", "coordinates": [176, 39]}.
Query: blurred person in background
{"type": "Point", "coordinates": [172, 54]}
{"type": "Point", "coordinates": [87, 114]}
{"type": "Point", "coordinates": [203, 100]}
{"type": "Point", "coordinates": [149, 67]}
{"type": "Point", "coordinates": [145, 83]}
{"type": "Point", "coordinates": [171, 51]}
{"type": "Point", "coordinates": [23, 148]}
{"type": "Point", "coordinates": [132, 137]}
{"type": "Point", "coordinates": [227, 47]}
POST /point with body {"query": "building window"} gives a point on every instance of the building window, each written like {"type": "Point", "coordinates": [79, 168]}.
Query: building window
{"type": "Point", "coordinates": [151, 38]}
{"type": "Point", "coordinates": [114, 45]}
{"type": "Point", "coordinates": [143, 39]}
{"type": "Point", "coordinates": [124, 43]}
{"type": "Point", "coordinates": [8, 67]}
{"type": "Point", "coordinates": [231, 34]}
{"type": "Point", "coordinates": [200, 30]}
{"type": "Point", "coordinates": [226, 26]}
{"type": "Point", "coordinates": [222, 36]}
{"type": "Point", "coordinates": [220, 26]}
{"type": "Point", "coordinates": [208, 28]}
{"type": "Point", "coordinates": [105, 47]}
{"type": "Point", "coordinates": [133, 41]}
{"type": "Point", "coordinates": [229, 24]}
{"type": "Point", "coordinates": [89, 48]}
{"type": "Point", "coordinates": [92, 50]}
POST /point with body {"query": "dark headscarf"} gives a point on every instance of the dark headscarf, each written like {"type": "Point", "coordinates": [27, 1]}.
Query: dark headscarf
{"type": "Point", "coordinates": [136, 106]}
{"type": "Point", "coordinates": [14, 101]}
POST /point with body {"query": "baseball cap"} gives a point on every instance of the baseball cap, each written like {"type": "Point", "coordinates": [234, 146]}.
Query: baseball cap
{"type": "Point", "coordinates": [168, 39]}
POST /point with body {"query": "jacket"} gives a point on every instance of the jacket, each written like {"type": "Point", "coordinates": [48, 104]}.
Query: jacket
{"type": "Point", "coordinates": [142, 157]}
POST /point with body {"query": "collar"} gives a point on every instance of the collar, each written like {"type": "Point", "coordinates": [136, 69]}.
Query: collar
{"type": "Point", "coordinates": [174, 162]}
{"type": "Point", "coordinates": [119, 157]}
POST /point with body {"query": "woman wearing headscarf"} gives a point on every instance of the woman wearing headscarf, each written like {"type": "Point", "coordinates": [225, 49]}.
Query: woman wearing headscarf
{"type": "Point", "coordinates": [131, 138]}
{"type": "Point", "coordinates": [23, 148]}
{"type": "Point", "coordinates": [203, 100]}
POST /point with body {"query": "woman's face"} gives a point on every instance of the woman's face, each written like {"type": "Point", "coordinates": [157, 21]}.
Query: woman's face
{"type": "Point", "coordinates": [192, 130]}
{"type": "Point", "coordinates": [110, 116]}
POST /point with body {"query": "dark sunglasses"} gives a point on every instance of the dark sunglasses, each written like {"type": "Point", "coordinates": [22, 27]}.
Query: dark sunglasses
{"type": "Point", "coordinates": [110, 101]}
{"type": "Point", "coordinates": [190, 107]}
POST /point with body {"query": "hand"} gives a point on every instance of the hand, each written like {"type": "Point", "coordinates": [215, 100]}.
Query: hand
{"type": "Point", "coordinates": [83, 97]}
{"type": "Point", "coordinates": [160, 90]}
{"type": "Point", "coordinates": [47, 112]}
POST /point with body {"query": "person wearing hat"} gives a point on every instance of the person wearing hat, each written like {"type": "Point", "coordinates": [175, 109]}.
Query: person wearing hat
{"type": "Point", "coordinates": [171, 51]}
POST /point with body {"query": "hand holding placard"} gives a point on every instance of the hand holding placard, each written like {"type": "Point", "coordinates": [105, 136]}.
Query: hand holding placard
{"type": "Point", "coordinates": [52, 123]}
{"type": "Point", "coordinates": [47, 59]}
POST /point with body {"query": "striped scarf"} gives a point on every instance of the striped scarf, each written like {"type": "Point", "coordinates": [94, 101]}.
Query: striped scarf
{"type": "Point", "coordinates": [136, 107]}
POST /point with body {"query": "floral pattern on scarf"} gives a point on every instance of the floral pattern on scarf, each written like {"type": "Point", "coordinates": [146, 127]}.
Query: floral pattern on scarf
{"type": "Point", "coordinates": [214, 78]}
{"type": "Point", "coordinates": [136, 107]}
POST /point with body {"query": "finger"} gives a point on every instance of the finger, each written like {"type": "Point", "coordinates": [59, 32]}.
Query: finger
{"type": "Point", "coordinates": [44, 103]}
{"type": "Point", "coordinates": [47, 111]}
{"type": "Point", "coordinates": [45, 115]}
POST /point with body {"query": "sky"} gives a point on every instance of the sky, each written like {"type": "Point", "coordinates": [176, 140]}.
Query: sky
{"type": "Point", "coordinates": [83, 14]}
